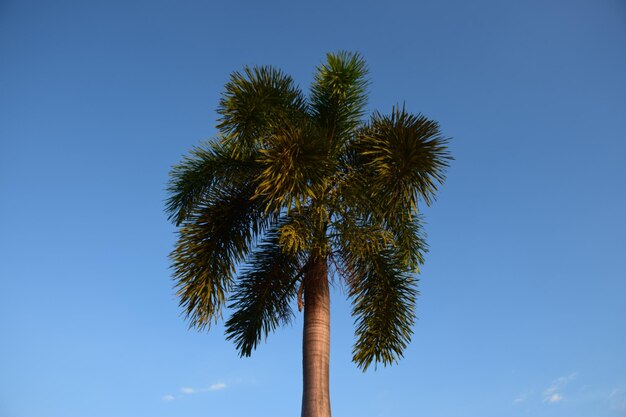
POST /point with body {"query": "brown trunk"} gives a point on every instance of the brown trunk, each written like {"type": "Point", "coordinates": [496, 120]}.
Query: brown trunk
{"type": "Point", "coordinates": [316, 341]}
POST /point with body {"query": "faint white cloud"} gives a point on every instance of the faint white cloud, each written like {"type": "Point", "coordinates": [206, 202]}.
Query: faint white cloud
{"type": "Point", "coordinates": [552, 394]}
{"type": "Point", "coordinates": [555, 398]}
{"type": "Point", "coordinates": [214, 387]}
{"type": "Point", "coordinates": [520, 399]}
{"type": "Point", "coordinates": [168, 397]}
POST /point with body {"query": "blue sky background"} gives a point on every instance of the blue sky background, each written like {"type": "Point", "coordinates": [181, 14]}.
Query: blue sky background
{"type": "Point", "coordinates": [523, 305]}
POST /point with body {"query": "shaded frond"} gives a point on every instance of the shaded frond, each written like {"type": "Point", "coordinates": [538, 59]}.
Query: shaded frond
{"type": "Point", "coordinates": [338, 94]}
{"type": "Point", "coordinates": [376, 261]}
{"type": "Point", "coordinates": [254, 103]}
{"type": "Point", "coordinates": [409, 239]}
{"type": "Point", "coordinates": [355, 238]}
{"type": "Point", "coordinates": [383, 294]}
{"type": "Point", "coordinates": [403, 156]}
{"type": "Point", "coordinates": [211, 243]}
{"type": "Point", "coordinates": [262, 296]}
{"type": "Point", "coordinates": [208, 167]}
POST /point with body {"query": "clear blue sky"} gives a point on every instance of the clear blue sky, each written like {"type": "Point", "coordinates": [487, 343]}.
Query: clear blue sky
{"type": "Point", "coordinates": [523, 295]}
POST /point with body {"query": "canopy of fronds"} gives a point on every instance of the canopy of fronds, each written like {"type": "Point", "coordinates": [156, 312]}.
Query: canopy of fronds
{"type": "Point", "coordinates": [291, 177]}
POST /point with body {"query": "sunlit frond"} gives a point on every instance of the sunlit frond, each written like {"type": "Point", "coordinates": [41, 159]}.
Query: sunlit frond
{"type": "Point", "coordinates": [338, 95]}
{"type": "Point", "coordinates": [294, 167]}
{"type": "Point", "coordinates": [295, 234]}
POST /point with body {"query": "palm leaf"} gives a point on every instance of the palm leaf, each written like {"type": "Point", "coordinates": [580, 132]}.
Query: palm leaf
{"type": "Point", "coordinates": [208, 168]}
{"type": "Point", "coordinates": [212, 241]}
{"type": "Point", "coordinates": [383, 294]}
{"type": "Point", "coordinates": [402, 157]}
{"type": "Point", "coordinates": [255, 102]}
{"type": "Point", "coordinates": [409, 239]}
{"type": "Point", "coordinates": [338, 95]}
{"type": "Point", "coordinates": [294, 166]}
{"type": "Point", "coordinates": [262, 296]}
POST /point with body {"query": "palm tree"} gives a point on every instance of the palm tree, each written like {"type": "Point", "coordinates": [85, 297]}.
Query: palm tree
{"type": "Point", "coordinates": [297, 190]}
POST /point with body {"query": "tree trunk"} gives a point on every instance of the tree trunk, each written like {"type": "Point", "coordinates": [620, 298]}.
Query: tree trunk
{"type": "Point", "coordinates": [316, 341]}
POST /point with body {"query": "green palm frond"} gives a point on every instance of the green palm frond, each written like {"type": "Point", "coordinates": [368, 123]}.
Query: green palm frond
{"type": "Point", "coordinates": [383, 294]}
{"type": "Point", "coordinates": [403, 156]}
{"type": "Point", "coordinates": [212, 241]}
{"type": "Point", "coordinates": [255, 102]}
{"type": "Point", "coordinates": [294, 168]}
{"type": "Point", "coordinates": [363, 227]}
{"type": "Point", "coordinates": [208, 168]}
{"type": "Point", "coordinates": [356, 238]}
{"type": "Point", "coordinates": [377, 259]}
{"type": "Point", "coordinates": [262, 296]}
{"type": "Point", "coordinates": [338, 94]}
{"type": "Point", "coordinates": [409, 239]}
{"type": "Point", "coordinates": [295, 234]}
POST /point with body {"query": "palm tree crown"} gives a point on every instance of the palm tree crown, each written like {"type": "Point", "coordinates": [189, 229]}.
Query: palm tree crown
{"type": "Point", "coordinates": [297, 183]}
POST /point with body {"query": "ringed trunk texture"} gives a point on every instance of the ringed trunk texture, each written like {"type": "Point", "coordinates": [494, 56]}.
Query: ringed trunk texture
{"type": "Point", "coordinates": [316, 342]}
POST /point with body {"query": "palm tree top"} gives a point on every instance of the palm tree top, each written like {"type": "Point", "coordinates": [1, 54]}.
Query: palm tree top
{"type": "Point", "coordinates": [294, 179]}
